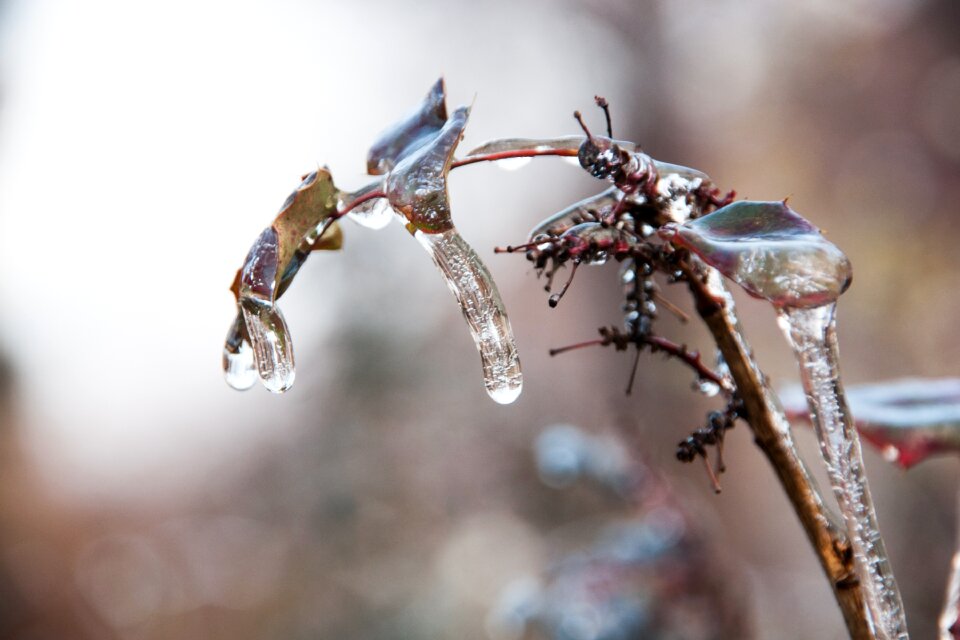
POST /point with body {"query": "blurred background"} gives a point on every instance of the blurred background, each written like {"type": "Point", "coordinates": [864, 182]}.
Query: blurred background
{"type": "Point", "coordinates": [143, 146]}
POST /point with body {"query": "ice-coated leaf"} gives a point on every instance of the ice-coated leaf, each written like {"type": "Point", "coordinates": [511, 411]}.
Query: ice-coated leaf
{"type": "Point", "coordinates": [909, 419]}
{"type": "Point", "coordinates": [404, 137]}
{"type": "Point", "coordinates": [417, 186]}
{"type": "Point", "coordinates": [267, 272]}
{"type": "Point", "coordinates": [769, 250]}
{"type": "Point", "coordinates": [582, 211]}
{"type": "Point", "coordinates": [302, 217]}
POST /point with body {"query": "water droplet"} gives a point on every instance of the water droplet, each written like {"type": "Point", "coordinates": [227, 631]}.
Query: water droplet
{"type": "Point", "coordinates": [373, 214]}
{"type": "Point", "coordinates": [708, 388]}
{"type": "Point", "coordinates": [512, 164]}
{"type": "Point", "coordinates": [238, 367]}
{"type": "Point", "coordinates": [272, 348]}
{"type": "Point", "coordinates": [890, 453]}
{"type": "Point", "coordinates": [473, 287]}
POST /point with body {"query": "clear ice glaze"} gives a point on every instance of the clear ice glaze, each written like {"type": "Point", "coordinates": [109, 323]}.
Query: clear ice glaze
{"type": "Point", "coordinates": [812, 334]}
{"type": "Point", "coordinates": [239, 369]}
{"type": "Point", "coordinates": [373, 214]}
{"type": "Point", "coordinates": [270, 339]}
{"type": "Point", "coordinates": [471, 284]}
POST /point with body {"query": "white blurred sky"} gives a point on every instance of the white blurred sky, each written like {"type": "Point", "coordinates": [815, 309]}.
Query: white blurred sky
{"type": "Point", "coordinates": [142, 148]}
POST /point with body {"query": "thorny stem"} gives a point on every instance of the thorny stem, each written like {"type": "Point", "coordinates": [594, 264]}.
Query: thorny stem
{"type": "Point", "coordinates": [765, 419]}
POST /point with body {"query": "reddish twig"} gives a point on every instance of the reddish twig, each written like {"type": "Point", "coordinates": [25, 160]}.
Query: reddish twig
{"type": "Point", "coordinates": [516, 153]}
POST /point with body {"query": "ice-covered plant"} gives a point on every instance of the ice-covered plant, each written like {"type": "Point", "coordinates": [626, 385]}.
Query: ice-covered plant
{"type": "Point", "coordinates": [665, 224]}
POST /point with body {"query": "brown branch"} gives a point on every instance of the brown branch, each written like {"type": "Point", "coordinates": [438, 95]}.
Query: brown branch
{"type": "Point", "coordinates": [765, 418]}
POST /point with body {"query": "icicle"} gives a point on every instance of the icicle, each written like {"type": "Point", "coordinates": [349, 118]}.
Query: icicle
{"type": "Point", "coordinates": [812, 334]}
{"type": "Point", "coordinates": [417, 192]}
{"type": "Point", "coordinates": [266, 327]}
{"type": "Point", "coordinates": [238, 365]}
{"type": "Point", "coordinates": [272, 348]}
{"type": "Point", "coordinates": [482, 308]}
{"type": "Point", "coordinates": [949, 621]}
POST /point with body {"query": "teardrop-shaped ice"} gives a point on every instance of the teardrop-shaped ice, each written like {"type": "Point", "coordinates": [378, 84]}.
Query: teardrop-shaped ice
{"type": "Point", "coordinates": [272, 348]}
{"type": "Point", "coordinates": [473, 286]}
{"type": "Point", "coordinates": [238, 365]}
{"type": "Point", "coordinates": [770, 251]}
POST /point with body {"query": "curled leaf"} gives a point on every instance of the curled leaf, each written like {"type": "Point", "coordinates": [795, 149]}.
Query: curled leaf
{"type": "Point", "coordinates": [909, 419]}
{"type": "Point", "coordinates": [404, 137]}
{"type": "Point", "coordinates": [769, 250]}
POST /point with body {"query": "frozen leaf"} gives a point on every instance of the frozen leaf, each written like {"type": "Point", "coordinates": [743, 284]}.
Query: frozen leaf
{"type": "Point", "coordinates": [586, 210]}
{"type": "Point", "coordinates": [409, 134]}
{"type": "Point", "coordinates": [267, 272]}
{"type": "Point", "coordinates": [769, 250]}
{"type": "Point", "coordinates": [417, 186]}
{"type": "Point", "coordinates": [302, 217]}
{"type": "Point", "coordinates": [909, 419]}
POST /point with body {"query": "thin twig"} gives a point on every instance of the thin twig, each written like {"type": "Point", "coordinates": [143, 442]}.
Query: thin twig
{"type": "Point", "coordinates": [516, 153]}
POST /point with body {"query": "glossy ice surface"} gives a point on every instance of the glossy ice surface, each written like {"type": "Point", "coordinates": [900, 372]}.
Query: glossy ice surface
{"type": "Point", "coordinates": [239, 368]}
{"type": "Point", "coordinates": [417, 186]}
{"type": "Point", "coordinates": [475, 291]}
{"type": "Point", "coordinates": [270, 339]}
{"type": "Point", "coordinates": [405, 136]}
{"type": "Point", "coordinates": [769, 250]}
{"type": "Point", "coordinates": [268, 270]}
